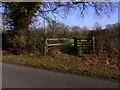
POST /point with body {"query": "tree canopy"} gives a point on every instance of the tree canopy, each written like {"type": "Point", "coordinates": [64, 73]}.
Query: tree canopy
{"type": "Point", "coordinates": [18, 15]}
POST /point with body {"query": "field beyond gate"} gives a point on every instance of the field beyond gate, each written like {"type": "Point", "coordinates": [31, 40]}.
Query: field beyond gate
{"type": "Point", "coordinates": [81, 45]}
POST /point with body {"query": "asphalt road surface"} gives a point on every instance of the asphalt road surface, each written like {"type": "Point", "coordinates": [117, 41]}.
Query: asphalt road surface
{"type": "Point", "coordinates": [15, 76]}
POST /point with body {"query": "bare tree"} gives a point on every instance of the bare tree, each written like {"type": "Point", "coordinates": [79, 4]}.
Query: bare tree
{"type": "Point", "coordinates": [19, 15]}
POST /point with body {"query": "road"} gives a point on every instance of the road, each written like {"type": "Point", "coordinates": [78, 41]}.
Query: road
{"type": "Point", "coordinates": [15, 76]}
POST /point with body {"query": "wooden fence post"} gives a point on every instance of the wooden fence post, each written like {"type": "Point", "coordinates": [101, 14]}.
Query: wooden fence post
{"type": "Point", "coordinates": [93, 39]}
{"type": "Point", "coordinates": [45, 41]}
{"type": "Point", "coordinates": [46, 47]}
{"type": "Point", "coordinates": [75, 45]}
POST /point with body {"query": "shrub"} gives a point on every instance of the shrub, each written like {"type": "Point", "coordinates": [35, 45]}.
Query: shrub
{"type": "Point", "coordinates": [17, 43]}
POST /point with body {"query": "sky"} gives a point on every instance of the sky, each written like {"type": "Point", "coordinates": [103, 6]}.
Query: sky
{"type": "Point", "coordinates": [119, 12]}
{"type": "Point", "coordinates": [90, 19]}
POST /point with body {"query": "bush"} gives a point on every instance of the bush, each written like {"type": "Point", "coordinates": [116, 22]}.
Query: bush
{"type": "Point", "coordinates": [17, 43]}
{"type": "Point", "coordinates": [106, 40]}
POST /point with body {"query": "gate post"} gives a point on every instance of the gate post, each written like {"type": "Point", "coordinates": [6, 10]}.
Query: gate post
{"type": "Point", "coordinates": [45, 47]}
{"type": "Point", "coordinates": [75, 45]}
{"type": "Point", "coordinates": [45, 41]}
{"type": "Point", "coordinates": [93, 39]}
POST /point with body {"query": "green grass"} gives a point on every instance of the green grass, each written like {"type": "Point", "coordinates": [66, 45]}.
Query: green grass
{"type": "Point", "coordinates": [89, 64]}
{"type": "Point", "coordinates": [69, 42]}
{"type": "Point", "coordinates": [33, 55]}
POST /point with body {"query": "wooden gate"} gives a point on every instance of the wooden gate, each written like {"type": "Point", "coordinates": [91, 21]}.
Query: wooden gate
{"type": "Point", "coordinates": [81, 45]}
{"type": "Point", "coordinates": [84, 45]}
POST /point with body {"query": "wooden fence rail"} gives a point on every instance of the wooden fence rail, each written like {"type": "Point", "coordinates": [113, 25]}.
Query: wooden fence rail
{"type": "Point", "coordinates": [79, 43]}
{"type": "Point", "coordinates": [47, 44]}
{"type": "Point", "coordinates": [55, 39]}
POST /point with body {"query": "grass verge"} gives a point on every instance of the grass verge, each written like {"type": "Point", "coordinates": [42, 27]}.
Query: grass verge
{"type": "Point", "coordinates": [104, 65]}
